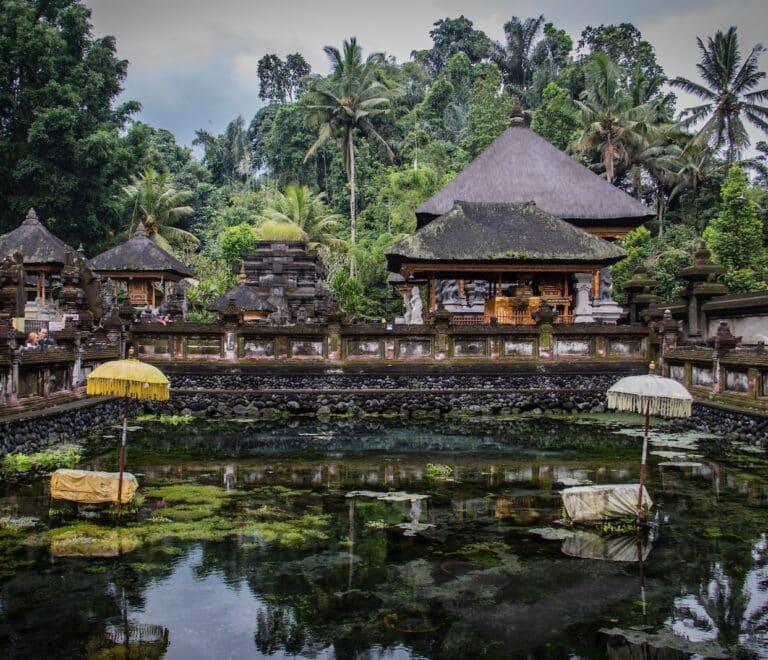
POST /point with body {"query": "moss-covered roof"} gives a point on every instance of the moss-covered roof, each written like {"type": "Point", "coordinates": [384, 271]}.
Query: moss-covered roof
{"type": "Point", "coordinates": [139, 253]}
{"type": "Point", "coordinates": [520, 166]}
{"type": "Point", "coordinates": [501, 233]}
{"type": "Point", "coordinates": [38, 246]}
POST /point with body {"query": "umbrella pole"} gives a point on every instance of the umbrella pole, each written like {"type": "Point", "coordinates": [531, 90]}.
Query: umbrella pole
{"type": "Point", "coordinates": [121, 458]}
{"type": "Point", "coordinates": [642, 461]}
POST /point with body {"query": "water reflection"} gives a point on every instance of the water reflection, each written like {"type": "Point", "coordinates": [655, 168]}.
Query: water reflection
{"type": "Point", "coordinates": [444, 568]}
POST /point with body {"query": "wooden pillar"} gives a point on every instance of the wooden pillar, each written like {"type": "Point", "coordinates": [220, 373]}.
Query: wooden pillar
{"type": "Point", "coordinates": [432, 294]}
{"type": "Point", "coordinates": [153, 291]}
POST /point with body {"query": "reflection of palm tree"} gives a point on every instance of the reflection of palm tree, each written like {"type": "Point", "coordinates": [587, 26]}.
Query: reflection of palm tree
{"type": "Point", "coordinates": [727, 610]}
{"type": "Point", "coordinates": [277, 630]}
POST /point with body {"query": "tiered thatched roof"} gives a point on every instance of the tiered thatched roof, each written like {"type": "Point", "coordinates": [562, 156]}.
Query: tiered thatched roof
{"type": "Point", "coordinates": [501, 233]}
{"type": "Point", "coordinates": [520, 166]}
{"type": "Point", "coordinates": [38, 246]}
{"type": "Point", "coordinates": [139, 254]}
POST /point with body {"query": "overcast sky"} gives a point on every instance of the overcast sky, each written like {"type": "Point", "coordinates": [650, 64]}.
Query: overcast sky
{"type": "Point", "coordinates": [193, 62]}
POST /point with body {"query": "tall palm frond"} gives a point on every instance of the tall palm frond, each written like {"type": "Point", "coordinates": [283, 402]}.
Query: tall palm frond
{"type": "Point", "coordinates": [160, 207]}
{"type": "Point", "coordinates": [298, 206]}
{"type": "Point", "coordinates": [728, 92]}
{"type": "Point", "coordinates": [346, 102]}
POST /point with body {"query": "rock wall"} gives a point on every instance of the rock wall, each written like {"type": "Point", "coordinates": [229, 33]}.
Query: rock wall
{"type": "Point", "coordinates": [240, 395]}
{"type": "Point", "coordinates": [38, 431]}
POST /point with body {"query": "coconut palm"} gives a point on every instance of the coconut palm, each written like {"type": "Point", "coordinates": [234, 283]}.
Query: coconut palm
{"type": "Point", "coordinates": [514, 57]}
{"type": "Point", "coordinates": [345, 102]}
{"type": "Point", "coordinates": [298, 206]}
{"type": "Point", "coordinates": [160, 206]}
{"type": "Point", "coordinates": [691, 167]}
{"type": "Point", "coordinates": [729, 93]}
{"type": "Point", "coordinates": [611, 122]}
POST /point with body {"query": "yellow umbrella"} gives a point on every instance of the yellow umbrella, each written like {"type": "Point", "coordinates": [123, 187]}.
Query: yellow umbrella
{"type": "Point", "coordinates": [130, 379]}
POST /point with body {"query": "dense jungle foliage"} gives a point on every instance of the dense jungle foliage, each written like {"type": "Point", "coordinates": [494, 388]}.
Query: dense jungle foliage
{"type": "Point", "coordinates": [342, 157]}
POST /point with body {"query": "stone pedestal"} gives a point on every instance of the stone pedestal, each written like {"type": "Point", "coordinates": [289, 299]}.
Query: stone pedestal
{"type": "Point", "coordinates": [583, 311]}
{"type": "Point", "coordinates": [606, 311]}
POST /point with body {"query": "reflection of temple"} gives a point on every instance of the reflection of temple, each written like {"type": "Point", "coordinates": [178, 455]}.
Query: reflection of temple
{"type": "Point", "coordinates": [280, 283]}
{"type": "Point", "coordinates": [521, 225]}
{"type": "Point", "coordinates": [143, 267]}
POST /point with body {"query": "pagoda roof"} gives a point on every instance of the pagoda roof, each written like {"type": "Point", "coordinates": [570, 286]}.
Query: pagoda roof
{"type": "Point", "coordinates": [139, 254]}
{"type": "Point", "coordinates": [520, 166]}
{"type": "Point", "coordinates": [501, 233]}
{"type": "Point", "coordinates": [36, 243]}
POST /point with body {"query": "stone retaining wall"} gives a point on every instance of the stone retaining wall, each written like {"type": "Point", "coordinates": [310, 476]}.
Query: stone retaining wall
{"type": "Point", "coordinates": [233, 395]}
{"type": "Point", "coordinates": [37, 431]}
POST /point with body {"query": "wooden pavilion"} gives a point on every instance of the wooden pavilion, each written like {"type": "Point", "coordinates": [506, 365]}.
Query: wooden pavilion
{"type": "Point", "coordinates": [525, 254]}
{"type": "Point", "coordinates": [44, 256]}
{"type": "Point", "coordinates": [522, 223]}
{"type": "Point", "coordinates": [143, 266]}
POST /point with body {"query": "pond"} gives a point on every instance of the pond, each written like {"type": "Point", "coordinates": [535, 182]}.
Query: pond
{"type": "Point", "coordinates": [274, 540]}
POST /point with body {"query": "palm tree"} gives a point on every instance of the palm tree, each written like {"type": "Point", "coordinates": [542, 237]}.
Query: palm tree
{"type": "Point", "coordinates": [514, 57]}
{"type": "Point", "coordinates": [160, 206]}
{"type": "Point", "coordinates": [691, 167]}
{"type": "Point", "coordinates": [611, 122]}
{"type": "Point", "coordinates": [298, 206]}
{"type": "Point", "coordinates": [344, 103]}
{"type": "Point", "coordinates": [727, 93]}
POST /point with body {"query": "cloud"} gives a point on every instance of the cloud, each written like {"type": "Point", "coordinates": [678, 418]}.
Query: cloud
{"type": "Point", "coordinates": [193, 62]}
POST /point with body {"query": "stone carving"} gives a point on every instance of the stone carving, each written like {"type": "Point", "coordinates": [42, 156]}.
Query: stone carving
{"type": "Point", "coordinates": [583, 311]}
{"type": "Point", "coordinates": [414, 310]}
{"type": "Point", "coordinates": [12, 294]}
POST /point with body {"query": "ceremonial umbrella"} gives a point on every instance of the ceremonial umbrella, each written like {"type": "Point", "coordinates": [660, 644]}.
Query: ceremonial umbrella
{"type": "Point", "coordinates": [130, 379]}
{"type": "Point", "coordinates": [649, 395]}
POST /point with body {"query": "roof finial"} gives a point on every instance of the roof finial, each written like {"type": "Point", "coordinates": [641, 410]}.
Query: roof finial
{"type": "Point", "coordinates": [241, 276]}
{"type": "Point", "coordinates": [31, 216]}
{"type": "Point", "coordinates": [141, 230]}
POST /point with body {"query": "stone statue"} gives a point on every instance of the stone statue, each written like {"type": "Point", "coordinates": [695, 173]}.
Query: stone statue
{"type": "Point", "coordinates": [416, 315]}
{"type": "Point", "coordinates": [606, 285]}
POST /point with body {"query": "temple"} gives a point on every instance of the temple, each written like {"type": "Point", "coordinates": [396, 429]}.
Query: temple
{"type": "Point", "coordinates": [522, 224]}
{"type": "Point", "coordinates": [40, 274]}
{"type": "Point", "coordinates": [142, 267]}
{"type": "Point", "coordinates": [280, 283]}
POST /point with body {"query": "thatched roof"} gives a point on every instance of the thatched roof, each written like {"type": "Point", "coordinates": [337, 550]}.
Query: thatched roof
{"type": "Point", "coordinates": [501, 233]}
{"type": "Point", "coordinates": [38, 245]}
{"type": "Point", "coordinates": [139, 254]}
{"type": "Point", "coordinates": [244, 298]}
{"type": "Point", "coordinates": [520, 166]}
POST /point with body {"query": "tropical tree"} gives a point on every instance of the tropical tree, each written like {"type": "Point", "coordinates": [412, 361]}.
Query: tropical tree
{"type": "Point", "coordinates": [729, 93]}
{"type": "Point", "coordinates": [343, 104]}
{"type": "Point", "coordinates": [556, 118]}
{"type": "Point", "coordinates": [299, 206]}
{"type": "Point", "coordinates": [736, 236]}
{"type": "Point", "coordinates": [610, 122]}
{"type": "Point", "coordinates": [160, 207]}
{"type": "Point", "coordinates": [514, 57]}
{"type": "Point", "coordinates": [691, 167]}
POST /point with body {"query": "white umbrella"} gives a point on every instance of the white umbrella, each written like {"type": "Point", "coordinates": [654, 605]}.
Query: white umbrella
{"type": "Point", "coordinates": [649, 395]}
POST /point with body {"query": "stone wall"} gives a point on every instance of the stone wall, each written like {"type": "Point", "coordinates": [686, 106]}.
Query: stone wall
{"type": "Point", "coordinates": [243, 395]}
{"type": "Point", "coordinates": [32, 432]}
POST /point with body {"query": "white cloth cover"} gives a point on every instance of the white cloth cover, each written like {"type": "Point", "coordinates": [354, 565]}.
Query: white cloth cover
{"type": "Point", "coordinates": [596, 503]}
